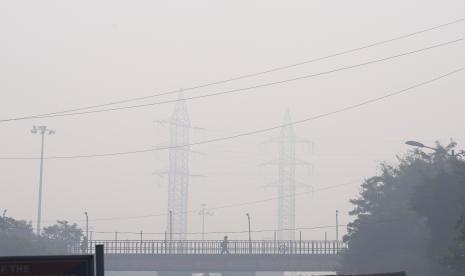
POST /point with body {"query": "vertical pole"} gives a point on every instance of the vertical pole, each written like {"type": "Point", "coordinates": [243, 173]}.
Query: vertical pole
{"type": "Point", "coordinates": [99, 260]}
{"type": "Point", "coordinates": [171, 225]}
{"type": "Point", "coordinates": [87, 230]}
{"type": "Point", "coordinates": [250, 234]}
{"type": "Point", "coordinates": [337, 229]}
{"type": "Point", "coordinates": [203, 221]}
{"type": "Point", "coordinates": [39, 209]}
{"type": "Point", "coordinates": [326, 240]}
{"type": "Point", "coordinates": [141, 237]}
{"type": "Point", "coordinates": [275, 246]}
{"type": "Point", "coordinates": [171, 231]}
{"type": "Point", "coordinates": [300, 242]}
{"type": "Point", "coordinates": [166, 238]}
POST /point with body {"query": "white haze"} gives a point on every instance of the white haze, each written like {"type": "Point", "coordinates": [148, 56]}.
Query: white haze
{"type": "Point", "coordinates": [58, 55]}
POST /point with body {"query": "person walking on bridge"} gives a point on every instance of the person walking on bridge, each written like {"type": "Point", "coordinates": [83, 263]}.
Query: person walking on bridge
{"type": "Point", "coordinates": [224, 245]}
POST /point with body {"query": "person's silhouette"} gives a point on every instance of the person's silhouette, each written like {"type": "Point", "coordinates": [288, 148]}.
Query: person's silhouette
{"type": "Point", "coordinates": [224, 245]}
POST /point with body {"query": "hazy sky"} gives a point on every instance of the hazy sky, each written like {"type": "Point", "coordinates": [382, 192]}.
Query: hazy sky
{"type": "Point", "coordinates": [57, 55]}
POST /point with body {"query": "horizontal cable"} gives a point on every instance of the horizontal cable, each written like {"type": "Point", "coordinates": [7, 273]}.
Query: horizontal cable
{"type": "Point", "coordinates": [460, 20]}
{"type": "Point", "coordinates": [313, 118]}
{"type": "Point", "coordinates": [237, 90]}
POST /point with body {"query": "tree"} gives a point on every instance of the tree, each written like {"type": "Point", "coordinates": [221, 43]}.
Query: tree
{"type": "Point", "coordinates": [440, 199]}
{"type": "Point", "coordinates": [386, 235]}
{"type": "Point", "coordinates": [406, 216]}
{"type": "Point", "coordinates": [456, 256]}
{"type": "Point", "coordinates": [17, 237]}
{"type": "Point", "coordinates": [62, 235]}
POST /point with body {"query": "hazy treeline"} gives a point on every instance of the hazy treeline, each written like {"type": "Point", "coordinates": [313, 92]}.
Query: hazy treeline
{"type": "Point", "coordinates": [411, 217]}
{"type": "Point", "coordinates": [17, 238]}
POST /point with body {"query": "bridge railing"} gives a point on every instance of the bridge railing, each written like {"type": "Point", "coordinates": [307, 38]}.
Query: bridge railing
{"type": "Point", "coordinates": [234, 247]}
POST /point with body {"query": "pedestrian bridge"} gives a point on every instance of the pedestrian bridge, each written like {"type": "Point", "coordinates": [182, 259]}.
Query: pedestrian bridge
{"type": "Point", "coordinates": [205, 256]}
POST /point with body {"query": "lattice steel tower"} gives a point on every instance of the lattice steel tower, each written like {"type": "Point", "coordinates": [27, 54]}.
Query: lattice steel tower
{"type": "Point", "coordinates": [287, 183]}
{"type": "Point", "coordinates": [286, 180]}
{"type": "Point", "coordinates": [178, 172]}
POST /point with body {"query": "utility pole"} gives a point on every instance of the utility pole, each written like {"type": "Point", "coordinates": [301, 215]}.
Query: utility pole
{"type": "Point", "coordinates": [326, 240]}
{"type": "Point", "coordinates": [250, 235]}
{"type": "Point", "coordinates": [171, 225]}
{"type": "Point", "coordinates": [41, 130]}
{"type": "Point", "coordinates": [337, 230]}
{"type": "Point", "coordinates": [203, 212]}
{"type": "Point", "coordinates": [87, 229]}
{"type": "Point", "coordinates": [87, 224]}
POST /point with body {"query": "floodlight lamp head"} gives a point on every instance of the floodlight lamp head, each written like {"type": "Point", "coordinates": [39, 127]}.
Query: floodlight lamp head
{"type": "Point", "coordinates": [415, 144]}
{"type": "Point", "coordinates": [34, 130]}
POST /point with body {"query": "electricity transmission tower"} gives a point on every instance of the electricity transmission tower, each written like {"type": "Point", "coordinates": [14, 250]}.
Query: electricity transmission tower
{"type": "Point", "coordinates": [178, 171]}
{"type": "Point", "coordinates": [286, 182]}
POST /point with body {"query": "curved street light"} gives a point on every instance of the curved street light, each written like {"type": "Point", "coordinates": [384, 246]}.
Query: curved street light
{"type": "Point", "coordinates": [421, 145]}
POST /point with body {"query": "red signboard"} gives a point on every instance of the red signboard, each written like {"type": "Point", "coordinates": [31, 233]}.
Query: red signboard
{"type": "Point", "coordinates": [47, 266]}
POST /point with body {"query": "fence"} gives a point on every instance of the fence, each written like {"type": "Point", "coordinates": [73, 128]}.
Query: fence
{"type": "Point", "coordinates": [234, 247]}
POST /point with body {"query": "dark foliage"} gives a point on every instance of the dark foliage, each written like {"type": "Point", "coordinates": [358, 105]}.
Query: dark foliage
{"type": "Point", "coordinates": [406, 217]}
{"type": "Point", "coordinates": [18, 239]}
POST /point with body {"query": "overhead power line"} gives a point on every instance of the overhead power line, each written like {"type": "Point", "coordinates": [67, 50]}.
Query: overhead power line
{"type": "Point", "coordinates": [224, 232]}
{"type": "Point", "coordinates": [226, 206]}
{"type": "Point", "coordinates": [308, 119]}
{"type": "Point", "coordinates": [261, 230]}
{"type": "Point", "coordinates": [240, 76]}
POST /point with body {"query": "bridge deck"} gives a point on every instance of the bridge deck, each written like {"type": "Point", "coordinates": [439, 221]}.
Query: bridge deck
{"type": "Point", "coordinates": [214, 247]}
{"type": "Point", "coordinates": [220, 263]}
{"type": "Point", "coordinates": [201, 256]}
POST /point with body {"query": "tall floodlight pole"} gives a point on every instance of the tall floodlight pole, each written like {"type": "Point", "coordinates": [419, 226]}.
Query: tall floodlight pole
{"type": "Point", "coordinates": [41, 130]}
{"type": "Point", "coordinates": [250, 234]}
{"type": "Point", "coordinates": [204, 212]}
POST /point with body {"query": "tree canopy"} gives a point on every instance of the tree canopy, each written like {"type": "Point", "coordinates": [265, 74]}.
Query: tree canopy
{"type": "Point", "coordinates": [17, 238]}
{"type": "Point", "coordinates": [406, 217]}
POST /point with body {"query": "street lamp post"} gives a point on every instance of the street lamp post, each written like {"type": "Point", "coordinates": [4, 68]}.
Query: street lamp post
{"type": "Point", "coordinates": [41, 130]}
{"type": "Point", "coordinates": [421, 145]}
{"type": "Point", "coordinates": [171, 231]}
{"type": "Point", "coordinates": [337, 225]}
{"type": "Point", "coordinates": [203, 212]}
{"type": "Point", "coordinates": [337, 230]}
{"type": "Point", "coordinates": [250, 235]}
{"type": "Point", "coordinates": [171, 225]}
{"type": "Point", "coordinates": [87, 226]}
